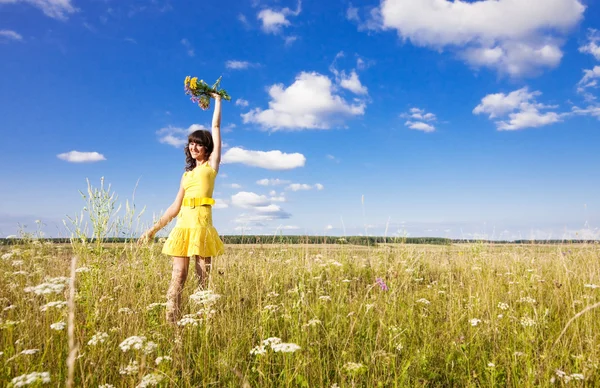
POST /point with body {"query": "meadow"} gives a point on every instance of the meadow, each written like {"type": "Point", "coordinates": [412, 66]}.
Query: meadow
{"type": "Point", "coordinates": [395, 315]}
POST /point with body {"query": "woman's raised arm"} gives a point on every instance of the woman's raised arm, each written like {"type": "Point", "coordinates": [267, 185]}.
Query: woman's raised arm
{"type": "Point", "coordinates": [215, 156]}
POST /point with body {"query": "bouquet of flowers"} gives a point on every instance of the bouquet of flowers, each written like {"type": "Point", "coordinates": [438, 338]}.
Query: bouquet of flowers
{"type": "Point", "coordinates": [201, 93]}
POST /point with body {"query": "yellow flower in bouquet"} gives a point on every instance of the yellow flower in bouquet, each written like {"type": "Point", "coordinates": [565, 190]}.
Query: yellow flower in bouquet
{"type": "Point", "coordinates": [201, 93]}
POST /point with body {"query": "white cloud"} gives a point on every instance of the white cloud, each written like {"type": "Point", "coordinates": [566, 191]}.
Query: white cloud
{"type": "Point", "coordinates": [352, 14]}
{"type": "Point", "coordinates": [56, 9]}
{"type": "Point", "coordinates": [234, 185]}
{"type": "Point", "coordinates": [220, 204]}
{"type": "Point", "coordinates": [190, 50]}
{"type": "Point", "coordinates": [352, 83]}
{"type": "Point", "coordinates": [304, 186]}
{"type": "Point", "coordinates": [589, 80]}
{"type": "Point", "coordinates": [177, 137]}
{"type": "Point", "coordinates": [592, 47]}
{"type": "Point", "coordinates": [290, 39]}
{"type": "Point", "coordinates": [270, 160]}
{"type": "Point", "coordinates": [522, 108]}
{"type": "Point", "coordinates": [271, 182]}
{"type": "Point", "coordinates": [329, 227]}
{"type": "Point", "coordinates": [238, 65]}
{"type": "Point", "coordinates": [9, 34]}
{"type": "Point", "coordinates": [417, 119]}
{"type": "Point", "coordinates": [81, 157]}
{"type": "Point", "coordinates": [516, 37]}
{"type": "Point", "coordinates": [309, 103]}
{"type": "Point", "coordinates": [420, 126]}
{"type": "Point", "coordinates": [248, 200]}
{"type": "Point", "coordinates": [274, 21]}
{"type": "Point", "coordinates": [241, 102]}
{"type": "Point", "coordinates": [262, 210]}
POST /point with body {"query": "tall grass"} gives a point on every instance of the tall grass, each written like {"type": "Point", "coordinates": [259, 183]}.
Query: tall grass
{"type": "Point", "coordinates": [393, 315]}
{"type": "Point", "coordinates": [451, 316]}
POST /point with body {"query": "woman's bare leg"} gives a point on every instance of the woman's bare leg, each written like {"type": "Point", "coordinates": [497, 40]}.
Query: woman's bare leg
{"type": "Point", "coordinates": [203, 271]}
{"type": "Point", "coordinates": [178, 277]}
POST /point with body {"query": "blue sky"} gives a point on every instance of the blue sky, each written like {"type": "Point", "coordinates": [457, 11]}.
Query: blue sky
{"type": "Point", "coordinates": [400, 117]}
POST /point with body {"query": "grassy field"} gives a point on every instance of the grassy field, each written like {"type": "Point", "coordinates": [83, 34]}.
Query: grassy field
{"type": "Point", "coordinates": [305, 316]}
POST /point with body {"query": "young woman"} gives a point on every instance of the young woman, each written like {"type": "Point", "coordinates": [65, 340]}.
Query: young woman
{"type": "Point", "coordinates": [194, 234]}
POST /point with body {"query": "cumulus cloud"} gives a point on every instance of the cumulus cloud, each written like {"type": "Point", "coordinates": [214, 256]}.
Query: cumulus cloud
{"type": "Point", "coordinates": [419, 120]}
{"type": "Point", "coordinates": [352, 83]}
{"type": "Point", "coordinates": [522, 108]}
{"type": "Point", "coordinates": [9, 34]}
{"type": "Point", "coordinates": [261, 208]}
{"type": "Point", "coordinates": [309, 103]}
{"type": "Point", "coordinates": [274, 21]}
{"type": "Point", "coordinates": [220, 204]}
{"type": "Point", "coordinates": [177, 137]}
{"type": "Point", "coordinates": [188, 46]}
{"type": "Point", "coordinates": [81, 157]}
{"type": "Point", "coordinates": [304, 186]}
{"type": "Point", "coordinates": [589, 81]}
{"type": "Point", "coordinates": [271, 182]}
{"type": "Point", "coordinates": [515, 37]}
{"type": "Point", "coordinates": [56, 9]}
{"type": "Point", "coordinates": [270, 160]}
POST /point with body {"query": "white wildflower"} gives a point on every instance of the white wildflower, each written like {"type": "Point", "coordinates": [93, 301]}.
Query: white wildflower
{"type": "Point", "coordinates": [325, 297]}
{"type": "Point", "coordinates": [577, 376]}
{"type": "Point", "coordinates": [491, 365]}
{"type": "Point", "coordinates": [592, 286]}
{"type": "Point", "coordinates": [335, 263]}
{"type": "Point", "coordinates": [527, 299]}
{"type": "Point", "coordinates": [82, 269]}
{"type": "Point", "coordinates": [205, 297]}
{"type": "Point", "coordinates": [423, 301]}
{"type": "Point", "coordinates": [150, 347]}
{"type": "Point", "coordinates": [7, 256]}
{"type": "Point", "coordinates": [399, 347]}
{"type": "Point", "coordinates": [17, 263]}
{"type": "Point", "coordinates": [135, 342]}
{"type": "Point", "coordinates": [46, 288]}
{"type": "Point", "coordinates": [17, 273]}
{"type": "Point", "coordinates": [32, 378]}
{"type": "Point", "coordinates": [58, 326]}
{"type": "Point", "coordinates": [150, 380]}
{"type": "Point", "coordinates": [354, 367]}
{"type": "Point", "coordinates": [97, 338]}
{"type": "Point", "coordinates": [272, 294]}
{"type": "Point", "coordinates": [502, 306]}
{"type": "Point", "coordinates": [131, 369]}
{"type": "Point", "coordinates": [258, 350]}
{"type": "Point", "coordinates": [271, 307]}
{"type": "Point", "coordinates": [518, 354]}
{"type": "Point", "coordinates": [271, 341]}
{"type": "Point", "coordinates": [12, 306]}
{"type": "Point", "coordinates": [188, 320]}
{"type": "Point", "coordinates": [106, 386]}
{"type": "Point", "coordinates": [475, 321]}
{"type": "Point", "coordinates": [162, 359]}
{"type": "Point", "coordinates": [527, 322]}
{"type": "Point", "coordinates": [285, 347]}
{"type": "Point", "coordinates": [500, 316]}
{"type": "Point", "coordinates": [152, 306]}
{"type": "Point", "coordinates": [346, 281]}
{"type": "Point", "coordinates": [125, 310]}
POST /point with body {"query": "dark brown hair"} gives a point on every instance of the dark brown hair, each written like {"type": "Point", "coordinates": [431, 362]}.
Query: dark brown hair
{"type": "Point", "coordinates": [202, 137]}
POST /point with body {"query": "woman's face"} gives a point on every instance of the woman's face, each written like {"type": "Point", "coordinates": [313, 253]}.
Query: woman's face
{"type": "Point", "coordinates": [196, 150]}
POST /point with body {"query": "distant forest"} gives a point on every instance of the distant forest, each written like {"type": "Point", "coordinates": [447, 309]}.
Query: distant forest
{"type": "Point", "coordinates": [351, 240]}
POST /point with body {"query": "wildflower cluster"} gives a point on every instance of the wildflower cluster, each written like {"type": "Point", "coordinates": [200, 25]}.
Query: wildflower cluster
{"type": "Point", "coordinates": [276, 345]}
{"type": "Point", "coordinates": [201, 93]}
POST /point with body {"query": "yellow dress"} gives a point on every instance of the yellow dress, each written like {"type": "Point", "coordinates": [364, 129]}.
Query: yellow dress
{"type": "Point", "coordinates": [194, 233]}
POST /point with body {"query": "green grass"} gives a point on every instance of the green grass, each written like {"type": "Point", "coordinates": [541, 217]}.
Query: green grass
{"type": "Point", "coordinates": [464, 316]}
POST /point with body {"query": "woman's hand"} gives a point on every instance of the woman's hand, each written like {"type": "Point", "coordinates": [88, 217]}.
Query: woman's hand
{"type": "Point", "coordinates": [216, 96]}
{"type": "Point", "coordinates": [146, 237]}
